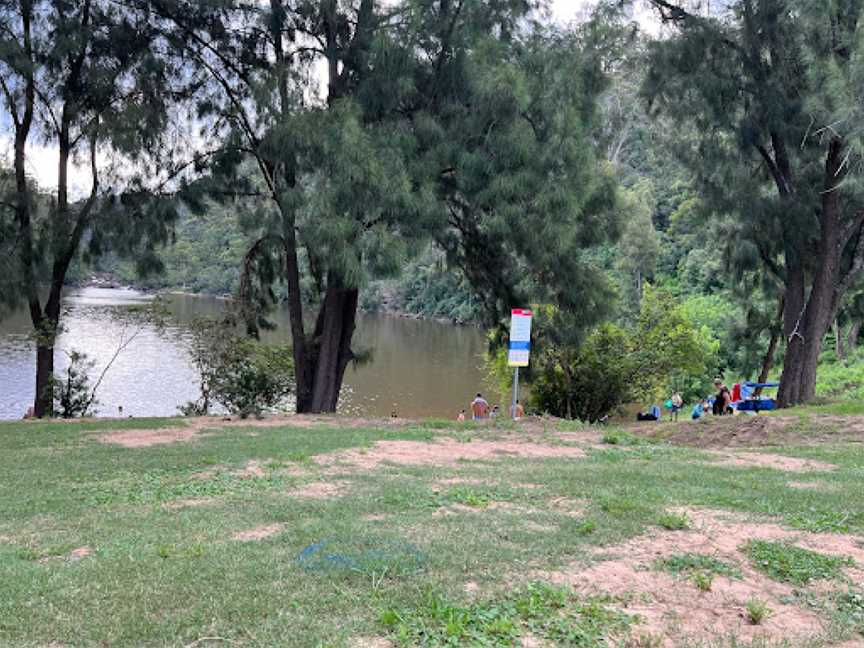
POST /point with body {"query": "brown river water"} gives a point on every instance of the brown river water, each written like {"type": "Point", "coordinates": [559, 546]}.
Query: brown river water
{"type": "Point", "coordinates": [418, 367]}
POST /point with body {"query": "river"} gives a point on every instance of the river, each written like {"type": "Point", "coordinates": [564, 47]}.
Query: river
{"type": "Point", "coordinates": [418, 367]}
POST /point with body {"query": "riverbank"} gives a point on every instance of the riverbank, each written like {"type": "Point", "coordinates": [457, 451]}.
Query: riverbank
{"type": "Point", "coordinates": [383, 532]}
{"type": "Point", "coordinates": [386, 305]}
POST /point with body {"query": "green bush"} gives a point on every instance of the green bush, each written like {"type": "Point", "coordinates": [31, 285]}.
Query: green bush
{"type": "Point", "coordinates": [245, 376]}
{"type": "Point", "coordinates": [664, 352]}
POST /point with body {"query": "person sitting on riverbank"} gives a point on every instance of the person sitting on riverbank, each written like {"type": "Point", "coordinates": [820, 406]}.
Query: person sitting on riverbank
{"type": "Point", "coordinates": [479, 408]}
{"type": "Point", "coordinates": [461, 417]}
{"type": "Point", "coordinates": [653, 414]}
{"type": "Point", "coordinates": [517, 412]}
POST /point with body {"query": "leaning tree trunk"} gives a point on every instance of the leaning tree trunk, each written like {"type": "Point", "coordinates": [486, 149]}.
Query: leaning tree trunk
{"type": "Point", "coordinates": [768, 359]}
{"type": "Point", "coordinates": [337, 321]}
{"type": "Point", "coordinates": [805, 339]}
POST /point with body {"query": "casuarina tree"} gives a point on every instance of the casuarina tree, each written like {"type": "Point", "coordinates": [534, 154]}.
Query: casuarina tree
{"type": "Point", "coordinates": [774, 89]}
{"type": "Point", "coordinates": [83, 79]}
{"type": "Point", "coordinates": [458, 122]}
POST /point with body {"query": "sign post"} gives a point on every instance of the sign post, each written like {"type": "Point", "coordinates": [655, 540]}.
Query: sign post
{"type": "Point", "coordinates": [520, 348]}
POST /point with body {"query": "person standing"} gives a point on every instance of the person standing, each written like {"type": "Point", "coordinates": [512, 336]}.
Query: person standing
{"type": "Point", "coordinates": [479, 408]}
{"type": "Point", "coordinates": [677, 404]}
{"type": "Point", "coordinates": [721, 399]}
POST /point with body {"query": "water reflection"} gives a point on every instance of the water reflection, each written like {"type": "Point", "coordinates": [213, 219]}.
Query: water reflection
{"type": "Point", "coordinates": [417, 368]}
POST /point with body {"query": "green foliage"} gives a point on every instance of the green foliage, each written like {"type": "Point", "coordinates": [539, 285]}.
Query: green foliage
{"type": "Point", "coordinates": [689, 564]}
{"type": "Point", "coordinates": [73, 394]}
{"type": "Point", "coordinates": [245, 376]}
{"type": "Point", "coordinates": [790, 564]}
{"type": "Point", "coordinates": [663, 352]}
{"type": "Point", "coordinates": [543, 611]}
{"type": "Point", "coordinates": [673, 521]}
{"type": "Point", "coordinates": [842, 380]}
{"type": "Point", "coordinates": [757, 611]}
{"type": "Point", "coordinates": [586, 383]}
{"type": "Point", "coordinates": [671, 352]}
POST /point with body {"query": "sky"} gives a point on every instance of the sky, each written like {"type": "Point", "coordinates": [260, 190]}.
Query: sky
{"type": "Point", "coordinates": [42, 160]}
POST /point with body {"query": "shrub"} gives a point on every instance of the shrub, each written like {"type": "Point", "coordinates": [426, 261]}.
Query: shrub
{"type": "Point", "coordinates": [247, 377]}
{"type": "Point", "coordinates": [73, 394]}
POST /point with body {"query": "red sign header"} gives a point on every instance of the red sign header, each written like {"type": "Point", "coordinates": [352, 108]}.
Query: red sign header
{"type": "Point", "coordinates": [521, 311]}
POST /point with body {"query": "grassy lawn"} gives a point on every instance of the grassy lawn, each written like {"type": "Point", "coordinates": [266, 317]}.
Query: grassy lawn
{"type": "Point", "coordinates": [306, 535]}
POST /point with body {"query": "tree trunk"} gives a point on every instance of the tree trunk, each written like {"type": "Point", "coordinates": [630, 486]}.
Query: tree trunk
{"type": "Point", "coordinates": [839, 346]}
{"type": "Point", "coordinates": [333, 345]}
{"type": "Point", "coordinates": [852, 337]}
{"type": "Point", "coordinates": [43, 403]}
{"type": "Point", "coordinates": [768, 358]}
{"type": "Point", "coordinates": [793, 314]}
{"type": "Point", "coordinates": [804, 341]}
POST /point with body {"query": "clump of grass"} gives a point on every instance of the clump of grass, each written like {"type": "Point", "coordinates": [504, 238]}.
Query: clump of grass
{"type": "Point", "coordinates": [787, 563]}
{"type": "Point", "coordinates": [585, 527]}
{"type": "Point", "coordinates": [622, 438]}
{"type": "Point", "coordinates": [468, 497]}
{"type": "Point", "coordinates": [693, 563]}
{"type": "Point", "coordinates": [757, 611]}
{"type": "Point", "coordinates": [673, 521]}
{"type": "Point", "coordinates": [543, 611]}
{"type": "Point", "coordinates": [618, 505]}
{"type": "Point", "coordinates": [703, 581]}
{"type": "Point", "coordinates": [826, 521]}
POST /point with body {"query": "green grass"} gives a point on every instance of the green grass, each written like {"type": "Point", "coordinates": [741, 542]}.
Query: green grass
{"type": "Point", "coordinates": [673, 521]}
{"type": "Point", "coordinates": [692, 563]}
{"type": "Point", "coordinates": [790, 564]}
{"type": "Point", "coordinates": [541, 611]}
{"type": "Point", "coordinates": [757, 611]}
{"type": "Point", "coordinates": [390, 557]}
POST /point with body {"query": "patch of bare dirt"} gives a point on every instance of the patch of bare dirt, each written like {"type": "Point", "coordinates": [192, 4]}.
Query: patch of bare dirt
{"type": "Point", "coordinates": [147, 438]}
{"type": "Point", "coordinates": [370, 642]}
{"type": "Point", "coordinates": [807, 485]}
{"type": "Point", "coordinates": [73, 556]}
{"type": "Point", "coordinates": [253, 468]}
{"type": "Point", "coordinates": [319, 490]}
{"type": "Point", "coordinates": [754, 431]}
{"type": "Point", "coordinates": [258, 533]}
{"type": "Point", "coordinates": [374, 517]}
{"type": "Point", "coordinates": [675, 610]}
{"type": "Point", "coordinates": [444, 452]}
{"type": "Point", "coordinates": [776, 461]}
{"type": "Point", "coordinates": [588, 436]}
{"type": "Point", "coordinates": [471, 587]}
{"type": "Point", "coordinates": [462, 481]}
{"type": "Point", "coordinates": [568, 506]}
{"type": "Point", "coordinates": [189, 502]}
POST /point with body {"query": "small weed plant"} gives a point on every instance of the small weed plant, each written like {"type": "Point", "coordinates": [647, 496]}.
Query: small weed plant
{"type": "Point", "coordinates": [757, 611]}
{"type": "Point", "coordinates": [703, 581]}
{"type": "Point", "coordinates": [673, 521]}
{"type": "Point", "coordinates": [787, 563]}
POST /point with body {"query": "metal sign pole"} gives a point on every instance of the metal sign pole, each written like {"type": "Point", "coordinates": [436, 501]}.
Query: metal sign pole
{"type": "Point", "coordinates": [515, 393]}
